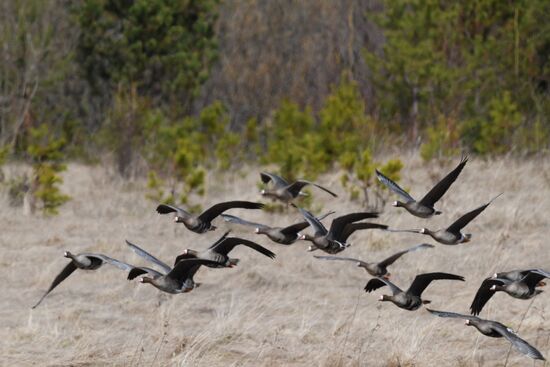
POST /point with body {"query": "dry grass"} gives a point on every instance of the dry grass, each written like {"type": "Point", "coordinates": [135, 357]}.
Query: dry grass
{"type": "Point", "coordinates": [294, 311]}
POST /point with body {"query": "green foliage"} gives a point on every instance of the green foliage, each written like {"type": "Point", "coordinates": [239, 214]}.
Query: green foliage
{"type": "Point", "coordinates": [46, 154]}
{"type": "Point", "coordinates": [442, 139]}
{"type": "Point", "coordinates": [443, 63]}
{"type": "Point", "coordinates": [495, 134]}
{"type": "Point", "coordinates": [164, 47]}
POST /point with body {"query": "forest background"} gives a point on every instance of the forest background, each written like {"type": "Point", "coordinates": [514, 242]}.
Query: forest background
{"type": "Point", "coordinates": [173, 89]}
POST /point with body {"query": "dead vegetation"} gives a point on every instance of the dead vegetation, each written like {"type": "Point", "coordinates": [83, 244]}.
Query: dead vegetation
{"type": "Point", "coordinates": [294, 311]}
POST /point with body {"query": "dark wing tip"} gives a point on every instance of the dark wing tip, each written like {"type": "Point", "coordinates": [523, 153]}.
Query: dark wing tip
{"type": "Point", "coordinates": [165, 209]}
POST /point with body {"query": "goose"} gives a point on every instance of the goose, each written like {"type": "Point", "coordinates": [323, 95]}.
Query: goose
{"type": "Point", "coordinates": [494, 329]}
{"type": "Point", "coordinates": [410, 299]}
{"type": "Point", "coordinates": [452, 235]}
{"type": "Point", "coordinates": [203, 222]}
{"type": "Point", "coordinates": [178, 280]}
{"type": "Point", "coordinates": [284, 191]}
{"type": "Point", "coordinates": [425, 207]}
{"type": "Point", "coordinates": [83, 261]}
{"type": "Point", "coordinates": [284, 236]}
{"type": "Point", "coordinates": [334, 240]}
{"type": "Point", "coordinates": [218, 252]}
{"type": "Point", "coordinates": [522, 288]}
{"type": "Point", "coordinates": [378, 269]}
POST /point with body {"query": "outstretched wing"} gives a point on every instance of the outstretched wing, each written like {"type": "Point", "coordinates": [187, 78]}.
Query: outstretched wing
{"type": "Point", "coordinates": [233, 219]}
{"type": "Point", "coordinates": [109, 260]}
{"type": "Point", "coordinates": [140, 270]}
{"type": "Point", "coordinates": [187, 268]}
{"type": "Point", "coordinates": [422, 281]}
{"type": "Point", "coordinates": [484, 294]}
{"type": "Point", "coordinates": [452, 314]}
{"type": "Point", "coordinates": [209, 214]}
{"type": "Point", "coordinates": [533, 277]}
{"type": "Point", "coordinates": [467, 218]}
{"type": "Point", "coordinates": [360, 262]}
{"type": "Point", "coordinates": [315, 223]}
{"type": "Point", "coordinates": [442, 186]}
{"type": "Point", "coordinates": [278, 181]}
{"type": "Point", "coordinates": [390, 260]}
{"type": "Point", "coordinates": [352, 227]}
{"type": "Point", "coordinates": [165, 209]}
{"type": "Point", "coordinates": [339, 224]}
{"type": "Point", "coordinates": [518, 343]}
{"type": "Point", "coordinates": [295, 187]}
{"type": "Point", "coordinates": [147, 256]}
{"type": "Point", "coordinates": [226, 245]}
{"type": "Point", "coordinates": [394, 187]}
{"type": "Point", "coordinates": [67, 270]}
{"type": "Point", "coordinates": [376, 283]}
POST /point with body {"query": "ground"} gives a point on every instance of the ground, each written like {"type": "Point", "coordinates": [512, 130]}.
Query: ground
{"type": "Point", "coordinates": [292, 311]}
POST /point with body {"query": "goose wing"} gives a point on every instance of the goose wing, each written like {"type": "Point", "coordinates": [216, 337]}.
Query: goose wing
{"type": "Point", "coordinates": [278, 181]}
{"type": "Point", "coordinates": [209, 214]}
{"type": "Point", "coordinates": [140, 270]}
{"type": "Point", "coordinates": [315, 223]}
{"type": "Point", "coordinates": [360, 262]}
{"type": "Point", "coordinates": [233, 219]}
{"type": "Point", "coordinates": [442, 186]}
{"type": "Point", "coordinates": [484, 294]}
{"type": "Point", "coordinates": [226, 245]}
{"type": "Point", "coordinates": [67, 270]}
{"type": "Point", "coordinates": [109, 260]}
{"type": "Point", "coordinates": [338, 225]}
{"type": "Point", "coordinates": [422, 281]}
{"type": "Point", "coordinates": [533, 277]}
{"type": "Point", "coordinates": [394, 187]}
{"type": "Point", "coordinates": [165, 209]}
{"type": "Point", "coordinates": [518, 343]}
{"type": "Point", "coordinates": [377, 282]}
{"type": "Point", "coordinates": [468, 217]}
{"type": "Point", "coordinates": [295, 187]}
{"type": "Point", "coordinates": [452, 315]}
{"type": "Point", "coordinates": [187, 268]}
{"type": "Point", "coordinates": [390, 260]}
{"type": "Point", "coordinates": [147, 256]}
{"type": "Point", "coordinates": [352, 227]}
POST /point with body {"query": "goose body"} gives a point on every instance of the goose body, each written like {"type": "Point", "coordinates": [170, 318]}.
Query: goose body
{"type": "Point", "coordinates": [423, 208]}
{"type": "Point", "coordinates": [83, 261]}
{"type": "Point", "coordinates": [522, 288]}
{"type": "Point", "coordinates": [494, 329]}
{"type": "Point", "coordinates": [377, 269]}
{"type": "Point", "coordinates": [411, 298]}
{"type": "Point", "coordinates": [203, 222]}
{"type": "Point", "coordinates": [284, 191]}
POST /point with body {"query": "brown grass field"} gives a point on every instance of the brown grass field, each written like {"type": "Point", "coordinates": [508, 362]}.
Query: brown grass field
{"type": "Point", "coordinates": [294, 311]}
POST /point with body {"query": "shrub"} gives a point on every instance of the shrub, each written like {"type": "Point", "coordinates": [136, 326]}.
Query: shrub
{"type": "Point", "coordinates": [45, 152]}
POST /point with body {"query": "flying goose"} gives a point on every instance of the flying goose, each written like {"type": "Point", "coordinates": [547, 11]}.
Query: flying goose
{"type": "Point", "coordinates": [378, 269]}
{"type": "Point", "coordinates": [178, 280]}
{"type": "Point", "coordinates": [284, 236]}
{"type": "Point", "coordinates": [452, 235]}
{"type": "Point", "coordinates": [494, 329]}
{"type": "Point", "coordinates": [218, 252]}
{"type": "Point", "coordinates": [334, 240]}
{"type": "Point", "coordinates": [202, 223]}
{"type": "Point", "coordinates": [425, 207]}
{"type": "Point", "coordinates": [522, 288]}
{"type": "Point", "coordinates": [409, 299]}
{"type": "Point", "coordinates": [84, 261]}
{"type": "Point", "coordinates": [284, 191]}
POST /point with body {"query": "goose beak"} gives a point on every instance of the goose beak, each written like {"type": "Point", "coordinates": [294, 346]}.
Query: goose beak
{"type": "Point", "coordinates": [262, 192]}
{"type": "Point", "coordinates": [495, 275]}
{"type": "Point", "coordinates": [394, 203]}
{"type": "Point", "coordinates": [141, 280]}
{"type": "Point", "coordinates": [541, 284]}
{"type": "Point", "coordinates": [66, 254]}
{"type": "Point", "coordinates": [387, 276]}
{"type": "Point", "coordinates": [302, 237]}
{"type": "Point", "coordinates": [381, 298]}
{"type": "Point", "coordinates": [176, 219]}
{"type": "Point", "coordinates": [493, 287]}
{"type": "Point", "coordinates": [257, 230]}
{"type": "Point", "coordinates": [422, 230]}
{"type": "Point", "coordinates": [467, 322]}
